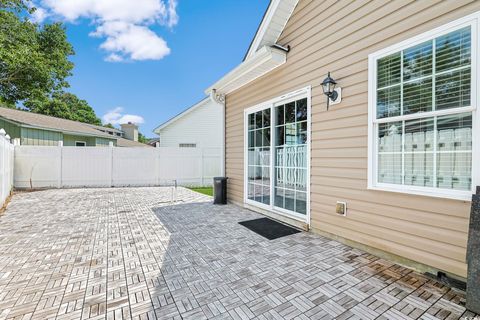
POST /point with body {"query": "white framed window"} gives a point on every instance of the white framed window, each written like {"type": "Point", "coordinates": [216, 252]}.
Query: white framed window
{"type": "Point", "coordinates": [80, 144]}
{"type": "Point", "coordinates": [277, 155]}
{"type": "Point", "coordinates": [423, 120]}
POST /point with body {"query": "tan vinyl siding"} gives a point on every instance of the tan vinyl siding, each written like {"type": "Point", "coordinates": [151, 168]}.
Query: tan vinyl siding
{"type": "Point", "coordinates": [338, 36]}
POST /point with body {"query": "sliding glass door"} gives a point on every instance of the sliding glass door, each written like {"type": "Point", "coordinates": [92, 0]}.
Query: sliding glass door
{"type": "Point", "coordinates": [277, 172]}
{"type": "Point", "coordinates": [291, 156]}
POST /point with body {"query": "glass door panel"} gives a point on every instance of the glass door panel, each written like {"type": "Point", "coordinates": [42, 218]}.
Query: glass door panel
{"type": "Point", "coordinates": [259, 137]}
{"type": "Point", "coordinates": [290, 147]}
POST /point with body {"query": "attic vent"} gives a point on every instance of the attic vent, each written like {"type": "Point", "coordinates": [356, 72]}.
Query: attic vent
{"type": "Point", "coordinates": [187, 145]}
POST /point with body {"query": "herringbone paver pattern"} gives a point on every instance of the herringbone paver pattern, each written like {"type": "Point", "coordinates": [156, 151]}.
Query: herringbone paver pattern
{"type": "Point", "coordinates": [131, 253]}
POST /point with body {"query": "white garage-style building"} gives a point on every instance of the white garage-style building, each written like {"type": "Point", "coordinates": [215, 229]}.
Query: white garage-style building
{"type": "Point", "coordinates": [200, 126]}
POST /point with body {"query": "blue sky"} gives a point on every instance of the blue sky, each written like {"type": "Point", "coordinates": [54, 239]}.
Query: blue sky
{"type": "Point", "coordinates": [209, 39]}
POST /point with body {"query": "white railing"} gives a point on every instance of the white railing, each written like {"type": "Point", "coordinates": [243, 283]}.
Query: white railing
{"type": "Point", "coordinates": [292, 159]}
{"type": "Point", "coordinates": [452, 160]}
{"type": "Point", "coordinates": [63, 167]}
{"type": "Point", "coordinates": [6, 167]}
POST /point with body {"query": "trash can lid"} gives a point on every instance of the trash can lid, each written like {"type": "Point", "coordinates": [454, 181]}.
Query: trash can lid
{"type": "Point", "coordinates": [220, 178]}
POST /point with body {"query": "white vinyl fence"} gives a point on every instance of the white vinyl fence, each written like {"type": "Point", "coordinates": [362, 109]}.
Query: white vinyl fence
{"type": "Point", "coordinates": [59, 167]}
{"type": "Point", "coordinates": [6, 167]}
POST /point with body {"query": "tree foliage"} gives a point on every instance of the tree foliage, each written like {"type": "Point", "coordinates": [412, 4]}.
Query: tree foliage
{"type": "Point", "coordinates": [142, 138]}
{"type": "Point", "coordinates": [66, 106]}
{"type": "Point", "coordinates": [15, 5]}
{"type": "Point", "coordinates": [34, 59]}
{"type": "Point", "coordinates": [35, 65]}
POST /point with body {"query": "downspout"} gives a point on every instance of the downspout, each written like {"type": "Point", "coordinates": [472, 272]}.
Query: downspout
{"type": "Point", "coordinates": [220, 99]}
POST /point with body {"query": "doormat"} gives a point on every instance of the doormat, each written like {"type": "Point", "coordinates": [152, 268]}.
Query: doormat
{"type": "Point", "coordinates": [269, 228]}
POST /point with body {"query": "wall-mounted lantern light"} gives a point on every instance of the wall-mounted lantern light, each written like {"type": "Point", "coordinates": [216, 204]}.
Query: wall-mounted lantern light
{"type": "Point", "coordinates": [334, 96]}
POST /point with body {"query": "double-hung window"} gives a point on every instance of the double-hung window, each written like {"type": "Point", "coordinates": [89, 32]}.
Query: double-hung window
{"type": "Point", "coordinates": [422, 112]}
{"type": "Point", "coordinates": [277, 154]}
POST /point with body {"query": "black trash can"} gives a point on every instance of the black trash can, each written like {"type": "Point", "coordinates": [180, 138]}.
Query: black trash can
{"type": "Point", "coordinates": [220, 190]}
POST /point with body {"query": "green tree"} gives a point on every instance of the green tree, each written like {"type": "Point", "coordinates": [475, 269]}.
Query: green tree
{"type": "Point", "coordinates": [142, 138]}
{"type": "Point", "coordinates": [66, 106]}
{"type": "Point", "coordinates": [109, 125]}
{"type": "Point", "coordinates": [34, 59]}
{"type": "Point", "coordinates": [34, 65]}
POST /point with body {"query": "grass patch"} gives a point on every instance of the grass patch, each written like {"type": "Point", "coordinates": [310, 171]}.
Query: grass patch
{"type": "Point", "coordinates": [205, 190]}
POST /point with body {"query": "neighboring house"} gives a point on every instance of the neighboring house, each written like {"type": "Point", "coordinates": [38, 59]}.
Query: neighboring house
{"type": "Point", "coordinates": [41, 130]}
{"type": "Point", "coordinates": [153, 142]}
{"type": "Point", "coordinates": [111, 131]}
{"type": "Point", "coordinates": [396, 147]}
{"type": "Point", "coordinates": [200, 126]}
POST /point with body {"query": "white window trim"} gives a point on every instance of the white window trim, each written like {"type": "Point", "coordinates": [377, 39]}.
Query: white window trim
{"type": "Point", "coordinates": [84, 143]}
{"type": "Point", "coordinates": [470, 20]}
{"type": "Point", "coordinates": [292, 96]}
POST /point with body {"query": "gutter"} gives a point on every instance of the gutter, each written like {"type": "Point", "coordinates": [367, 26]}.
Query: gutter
{"type": "Point", "coordinates": [219, 99]}
{"type": "Point", "coordinates": [73, 133]}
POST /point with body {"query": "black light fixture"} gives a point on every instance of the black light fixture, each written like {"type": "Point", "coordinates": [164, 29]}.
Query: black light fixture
{"type": "Point", "coordinates": [328, 86]}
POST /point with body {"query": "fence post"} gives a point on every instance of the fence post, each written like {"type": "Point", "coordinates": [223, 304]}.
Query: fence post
{"type": "Point", "coordinates": [6, 172]}
{"type": "Point", "coordinates": [157, 163]}
{"type": "Point", "coordinates": [202, 167]}
{"type": "Point", "coordinates": [2, 167]}
{"type": "Point", "coordinates": [60, 164]}
{"type": "Point", "coordinates": [110, 144]}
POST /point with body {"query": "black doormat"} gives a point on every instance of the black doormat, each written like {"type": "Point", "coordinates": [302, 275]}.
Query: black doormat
{"type": "Point", "coordinates": [269, 228]}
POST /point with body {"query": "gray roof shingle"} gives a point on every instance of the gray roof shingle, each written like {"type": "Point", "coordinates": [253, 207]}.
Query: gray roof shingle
{"type": "Point", "coordinates": [66, 126]}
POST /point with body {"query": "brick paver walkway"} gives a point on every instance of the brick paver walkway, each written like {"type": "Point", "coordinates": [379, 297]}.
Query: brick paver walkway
{"type": "Point", "coordinates": [130, 253]}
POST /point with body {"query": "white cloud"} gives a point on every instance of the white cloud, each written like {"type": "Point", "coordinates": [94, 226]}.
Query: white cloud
{"type": "Point", "coordinates": [116, 116]}
{"type": "Point", "coordinates": [125, 24]}
{"type": "Point", "coordinates": [39, 15]}
{"type": "Point", "coordinates": [172, 13]}
{"type": "Point", "coordinates": [113, 57]}
{"type": "Point", "coordinates": [136, 42]}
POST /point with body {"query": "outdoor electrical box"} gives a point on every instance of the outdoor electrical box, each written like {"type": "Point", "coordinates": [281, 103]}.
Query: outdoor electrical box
{"type": "Point", "coordinates": [341, 208]}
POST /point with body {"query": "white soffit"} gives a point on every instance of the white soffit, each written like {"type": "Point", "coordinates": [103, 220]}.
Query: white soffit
{"type": "Point", "coordinates": [276, 17]}
{"type": "Point", "coordinates": [263, 61]}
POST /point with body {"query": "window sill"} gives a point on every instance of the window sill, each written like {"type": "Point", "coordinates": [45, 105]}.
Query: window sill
{"type": "Point", "coordinates": [434, 193]}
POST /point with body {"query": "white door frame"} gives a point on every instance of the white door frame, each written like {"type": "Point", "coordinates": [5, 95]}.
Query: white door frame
{"type": "Point", "coordinates": [292, 96]}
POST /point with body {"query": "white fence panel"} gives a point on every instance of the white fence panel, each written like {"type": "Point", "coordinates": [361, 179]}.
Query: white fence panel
{"type": "Point", "coordinates": [6, 167]}
{"type": "Point", "coordinates": [212, 164]}
{"type": "Point", "coordinates": [135, 167]}
{"type": "Point", "coordinates": [46, 167]}
{"type": "Point", "coordinates": [181, 164]}
{"type": "Point", "coordinates": [86, 167]}
{"type": "Point", "coordinates": [37, 167]}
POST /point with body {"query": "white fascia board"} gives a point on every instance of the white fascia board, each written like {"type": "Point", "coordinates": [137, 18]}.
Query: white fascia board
{"type": "Point", "coordinates": [245, 72]}
{"type": "Point", "coordinates": [263, 28]}
{"type": "Point", "coordinates": [272, 25]}
{"type": "Point", "coordinates": [181, 115]}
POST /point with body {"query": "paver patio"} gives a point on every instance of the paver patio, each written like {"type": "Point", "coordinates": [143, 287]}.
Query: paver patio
{"type": "Point", "coordinates": [131, 253]}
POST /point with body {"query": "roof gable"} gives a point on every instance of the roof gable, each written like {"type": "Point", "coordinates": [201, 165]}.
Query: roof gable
{"type": "Point", "coordinates": [274, 21]}
{"type": "Point", "coordinates": [264, 54]}
{"type": "Point", "coordinates": [181, 115]}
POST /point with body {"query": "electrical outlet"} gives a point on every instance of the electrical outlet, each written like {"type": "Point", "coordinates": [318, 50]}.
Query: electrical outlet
{"type": "Point", "coordinates": [341, 208]}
